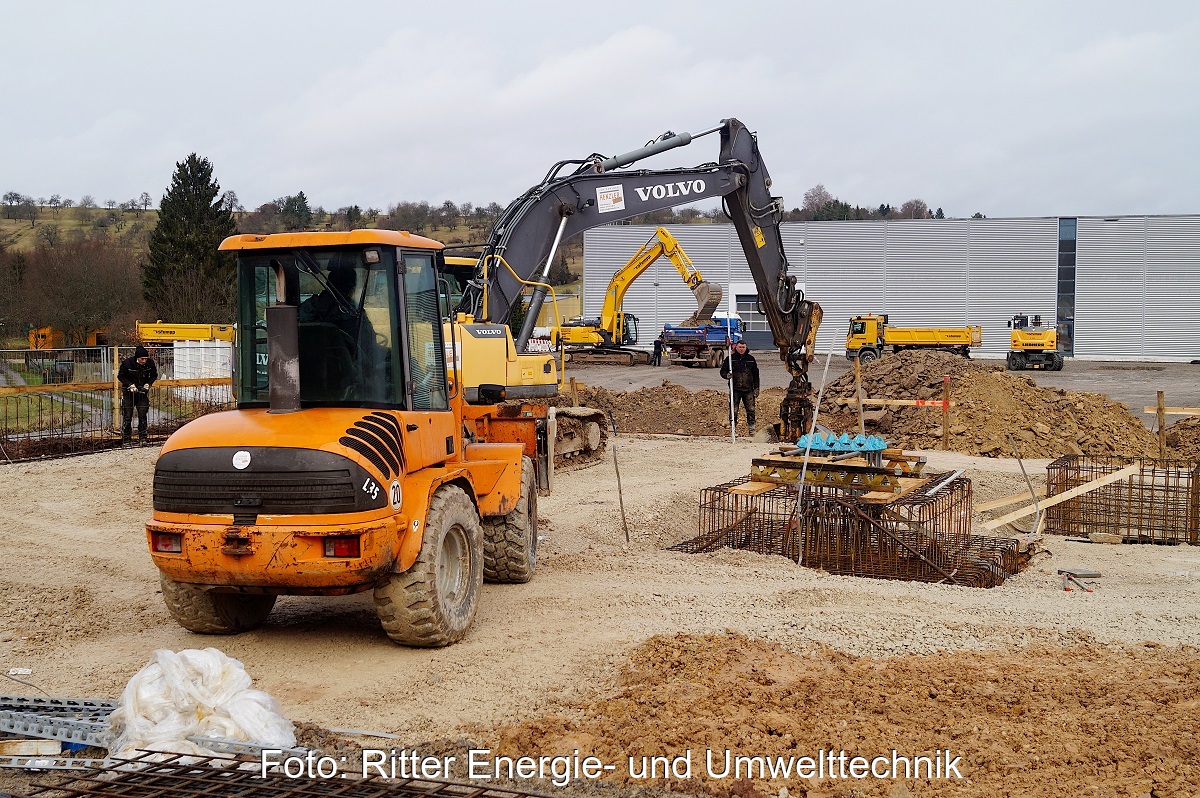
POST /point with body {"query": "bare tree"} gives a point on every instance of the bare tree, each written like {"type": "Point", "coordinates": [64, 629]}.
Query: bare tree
{"type": "Point", "coordinates": [79, 288]}
{"type": "Point", "coordinates": [83, 210]}
{"type": "Point", "coordinates": [55, 203]}
{"type": "Point", "coordinates": [914, 209]}
{"type": "Point", "coordinates": [815, 198]}
{"type": "Point", "coordinates": [145, 201]}
{"type": "Point", "coordinates": [28, 209]}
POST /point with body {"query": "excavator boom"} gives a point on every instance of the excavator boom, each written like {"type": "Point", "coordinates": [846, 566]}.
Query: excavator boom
{"type": "Point", "coordinates": [577, 195]}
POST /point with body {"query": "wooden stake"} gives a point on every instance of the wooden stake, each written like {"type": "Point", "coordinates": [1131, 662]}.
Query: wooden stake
{"type": "Point", "coordinates": [574, 393]}
{"type": "Point", "coordinates": [862, 427]}
{"type": "Point", "coordinates": [946, 413]}
{"type": "Point", "coordinates": [1162, 426]}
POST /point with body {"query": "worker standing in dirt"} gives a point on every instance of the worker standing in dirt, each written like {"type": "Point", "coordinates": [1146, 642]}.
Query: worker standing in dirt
{"type": "Point", "coordinates": [658, 348]}
{"type": "Point", "coordinates": [136, 375]}
{"type": "Point", "coordinates": [745, 381]}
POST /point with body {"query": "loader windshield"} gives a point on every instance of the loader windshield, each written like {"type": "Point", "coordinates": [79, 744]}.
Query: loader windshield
{"type": "Point", "coordinates": [346, 324]}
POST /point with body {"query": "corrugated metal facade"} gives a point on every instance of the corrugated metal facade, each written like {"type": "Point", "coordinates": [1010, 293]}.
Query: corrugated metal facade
{"type": "Point", "coordinates": [1136, 278]}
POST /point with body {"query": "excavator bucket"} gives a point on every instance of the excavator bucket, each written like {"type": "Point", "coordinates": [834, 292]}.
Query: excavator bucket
{"type": "Point", "coordinates": [708, 299]}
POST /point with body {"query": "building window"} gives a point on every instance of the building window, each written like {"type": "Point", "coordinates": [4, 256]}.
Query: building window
{"type": "Point", "coordinates": [1067, 229]}
{"type": "Point", "coordinates": [752, 320]}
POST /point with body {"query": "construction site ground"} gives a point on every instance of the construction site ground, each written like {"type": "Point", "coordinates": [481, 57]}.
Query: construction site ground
{"type": "Point", "coordinates": [623, 649]}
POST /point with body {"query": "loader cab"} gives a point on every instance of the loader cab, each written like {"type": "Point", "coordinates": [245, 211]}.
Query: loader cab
{"type": "Point", "coordinates": [368, 327]}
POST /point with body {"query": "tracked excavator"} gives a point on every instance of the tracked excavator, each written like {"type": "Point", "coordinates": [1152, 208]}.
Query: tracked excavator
{"type": "Point", "coordinates": [608, 338]}
{"type": "Point", "coordinates": [576, 195]}
{"type": "Point", "coordinates": [363, 455]}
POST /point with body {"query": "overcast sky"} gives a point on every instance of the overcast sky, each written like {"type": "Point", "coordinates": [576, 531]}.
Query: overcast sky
{"type": "Point", "coordinates": [1008, 108]}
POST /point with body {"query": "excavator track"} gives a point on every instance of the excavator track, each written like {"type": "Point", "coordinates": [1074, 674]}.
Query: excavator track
{"type": "Point", "coordinates": [609, 357]}
{"type": "Point", "coordinates": [580, 435]}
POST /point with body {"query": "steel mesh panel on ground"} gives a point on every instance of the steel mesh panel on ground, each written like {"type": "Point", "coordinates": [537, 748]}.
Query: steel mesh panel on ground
{"type": "Point", "coordinates": [923, 536]}
{"type": "Point", "coordinates": [219, 777]}
{"type": "Point", "coordinates": [1160, 503]}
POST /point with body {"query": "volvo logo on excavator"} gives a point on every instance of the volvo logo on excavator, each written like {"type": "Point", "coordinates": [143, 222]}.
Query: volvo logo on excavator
{"type": "Point", "coordinates": [681, 189]}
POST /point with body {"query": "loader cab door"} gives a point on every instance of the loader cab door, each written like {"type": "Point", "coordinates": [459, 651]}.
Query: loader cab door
{"type": "Point", "coordinates": [428, 428]}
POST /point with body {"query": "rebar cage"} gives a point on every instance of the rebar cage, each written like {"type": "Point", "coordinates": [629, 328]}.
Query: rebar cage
{"type": "Point", "coordinates": [923, 536]}
{"type": "Point", "coordinates": [1160, 503]}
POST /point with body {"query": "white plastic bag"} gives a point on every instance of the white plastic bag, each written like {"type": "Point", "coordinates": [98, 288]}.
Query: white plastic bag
{"type": "Point", "coordinates": [194, 693]}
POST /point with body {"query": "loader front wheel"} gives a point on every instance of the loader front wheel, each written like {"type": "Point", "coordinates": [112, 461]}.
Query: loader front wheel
{"type": "Point", "coordinates": [510, 541]}
{"type": "Point", "coordinates": [210, 613]}
{"type": "Point", "coordinates": [434, 602]}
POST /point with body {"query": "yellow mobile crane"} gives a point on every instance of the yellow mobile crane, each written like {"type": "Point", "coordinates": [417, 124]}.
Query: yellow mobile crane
{"type": "Point", "coordinates": [604, 340]}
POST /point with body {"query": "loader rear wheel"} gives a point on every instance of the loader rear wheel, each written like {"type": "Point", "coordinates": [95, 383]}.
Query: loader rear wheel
{"type": "Point", "coordinates": [433, 603]}
{"type": "Point", "coordinates": [510, 541]}
{"type": "Point", "coordinates": [210, 613]}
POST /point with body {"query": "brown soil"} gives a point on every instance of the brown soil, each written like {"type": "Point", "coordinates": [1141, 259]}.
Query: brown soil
{"type": "Point", "coordinates": [1183, 437]}
{"type": "Point", "coordinates": [1096, 720]}
{"type": "Point", "coordinates": [991, 404]}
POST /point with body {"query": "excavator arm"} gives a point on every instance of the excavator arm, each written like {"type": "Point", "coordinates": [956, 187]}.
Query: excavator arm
{"type": "Point", "coordinates": [577, 195]}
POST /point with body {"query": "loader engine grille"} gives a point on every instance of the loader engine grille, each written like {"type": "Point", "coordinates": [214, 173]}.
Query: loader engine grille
{"type": "Point", "coordinates": [275, 481]}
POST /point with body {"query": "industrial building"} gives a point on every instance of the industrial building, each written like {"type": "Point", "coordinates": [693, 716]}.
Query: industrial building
{"type": "Point", "coordinates": [1118, 288]}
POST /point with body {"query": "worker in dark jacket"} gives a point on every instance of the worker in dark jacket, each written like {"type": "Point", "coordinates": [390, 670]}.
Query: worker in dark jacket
{"type": "Point", "coordinates": [745, 380]}
{"type": "Point", "coordinates": [136, 375]}
{"type": "Point", "coordinates": [658, 351]}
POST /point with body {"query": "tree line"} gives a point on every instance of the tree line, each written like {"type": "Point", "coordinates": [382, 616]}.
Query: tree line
{"type": "Point", "coordinates": [101, 274]}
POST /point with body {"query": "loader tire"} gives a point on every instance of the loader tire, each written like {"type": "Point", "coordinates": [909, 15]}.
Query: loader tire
{"type": "Point", "coordinates": [1058, 363]}
{"type": "Point", "coordinates": [510, 541]}
{"type": "Point", "coordinates": [211, 613]}
{"type": "Point", "coordinates": [434, 602]}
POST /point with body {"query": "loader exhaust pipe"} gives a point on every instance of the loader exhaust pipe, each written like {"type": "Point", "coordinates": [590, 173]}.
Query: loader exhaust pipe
{"type": "Point", "coordinates": [283, 349]}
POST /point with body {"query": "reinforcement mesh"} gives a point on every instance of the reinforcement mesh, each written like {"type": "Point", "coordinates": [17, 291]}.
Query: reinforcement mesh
{"type": "Point", "coordinates": [923, 536]}
{"type": "Point", "coordinates": [1158, 503]}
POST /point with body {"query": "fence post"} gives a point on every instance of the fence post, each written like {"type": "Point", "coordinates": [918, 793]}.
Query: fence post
{"type": "Point", "coordinates": [116, 356]}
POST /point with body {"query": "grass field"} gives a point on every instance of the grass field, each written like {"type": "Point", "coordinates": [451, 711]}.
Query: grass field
{"type": "Point", "coordinates": [19, 235]}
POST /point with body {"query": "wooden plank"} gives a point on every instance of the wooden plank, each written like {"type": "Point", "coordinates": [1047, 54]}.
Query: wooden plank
{"type": "Point", "coordinates": [1175, 411]}
{"type": "Point", "coordinates": [753, 488]}
{"type": "Point", "coordinates": [899, 402]}
{"type": "Point", "coordinates": [30, 747]}
{"type": "Point", "coordinates": [59, 387]}
{"type": "Point", "coordinates": [907, 486]}
{"type": "Point", "coordinates": [1086, 487]}
{"type": "Point", "coordinates": [1007, 500]}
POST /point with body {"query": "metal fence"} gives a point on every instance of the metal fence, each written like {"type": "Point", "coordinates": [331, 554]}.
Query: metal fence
{"type": "Point", "coordinates": [922, 536]}
{"type": "Point", "coordinates": [1159, 503]}
{"type": "Point", "coordinates": [56, 402]}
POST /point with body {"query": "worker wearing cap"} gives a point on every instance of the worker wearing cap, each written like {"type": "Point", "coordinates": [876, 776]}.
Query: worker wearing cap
{"type": "Point", "coordinates": [136, 375]}
{"type": "Point", "coordinates": [745, 381]}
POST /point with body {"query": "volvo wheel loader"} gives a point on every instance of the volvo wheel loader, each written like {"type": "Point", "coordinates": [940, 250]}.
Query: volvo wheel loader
{"type": "Point", "coordinates": [360, 457]}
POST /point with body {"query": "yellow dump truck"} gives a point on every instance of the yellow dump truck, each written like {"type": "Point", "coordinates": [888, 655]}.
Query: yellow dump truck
{"type": "Point", "coordinates": [1033, 345]}
{"type": "Point", "coordinates": [871, 335]}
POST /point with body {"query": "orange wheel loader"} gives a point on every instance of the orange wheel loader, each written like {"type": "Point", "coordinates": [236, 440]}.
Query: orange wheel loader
{"type": "Point", "coordinates": [352, 461]}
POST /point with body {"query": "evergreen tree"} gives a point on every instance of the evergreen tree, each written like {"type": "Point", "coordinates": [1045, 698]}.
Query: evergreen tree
{"type": "Point", "coordinates": [186, 279]}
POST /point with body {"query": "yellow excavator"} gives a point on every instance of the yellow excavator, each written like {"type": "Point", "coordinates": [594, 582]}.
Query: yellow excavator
{"type": "Point", "coordinates": [1033, 345]}
{"type": "Point", "coordinates": [607, 339]}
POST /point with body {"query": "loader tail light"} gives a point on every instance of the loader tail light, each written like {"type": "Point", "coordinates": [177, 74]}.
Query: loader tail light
{"type": "Point", "coordinates": [344, 546]}
{"type": "Point", "coordinates": [166, 542]}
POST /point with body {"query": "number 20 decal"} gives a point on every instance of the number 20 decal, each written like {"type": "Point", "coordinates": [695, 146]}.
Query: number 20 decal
{"type": "Point", "coordinates": [396, 495]}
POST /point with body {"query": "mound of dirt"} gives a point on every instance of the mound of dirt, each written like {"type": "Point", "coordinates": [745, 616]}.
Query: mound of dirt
{"type": "Point", "coordinates": [991, 404]}
{"type": "Point", "coordinates": [1184, 438]}
{"type": "Point", "coordinates": [1103, 720]}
